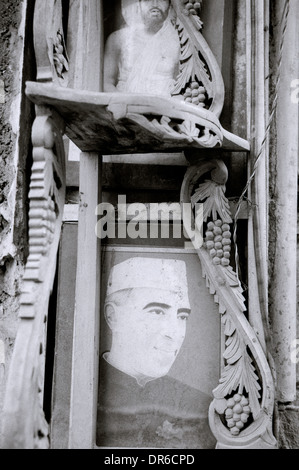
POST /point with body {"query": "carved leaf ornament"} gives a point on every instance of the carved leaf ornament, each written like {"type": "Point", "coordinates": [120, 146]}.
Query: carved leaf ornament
{"type": "Point", "coordinates": [199, 80]}
{"type": "Point", "coordinates": [240, 414]}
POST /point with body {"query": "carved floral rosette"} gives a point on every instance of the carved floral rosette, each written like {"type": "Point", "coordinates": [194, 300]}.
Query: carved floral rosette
{"type": "Point", "coordinates": [241, 412]}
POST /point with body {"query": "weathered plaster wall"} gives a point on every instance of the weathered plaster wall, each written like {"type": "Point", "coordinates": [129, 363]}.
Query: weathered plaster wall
{"type": "Point", "coordinates": [14, 175]}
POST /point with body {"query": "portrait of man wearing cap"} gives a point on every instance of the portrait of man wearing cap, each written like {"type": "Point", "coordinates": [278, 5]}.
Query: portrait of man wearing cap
{"type": "Point", "coordinates": [143, 57]}
{"type": "Point", "coordinates": [147, 308]}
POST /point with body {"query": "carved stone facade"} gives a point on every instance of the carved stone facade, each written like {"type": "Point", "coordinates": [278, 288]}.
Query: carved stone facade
{"type": "Point", "coordinates": [71, 107]}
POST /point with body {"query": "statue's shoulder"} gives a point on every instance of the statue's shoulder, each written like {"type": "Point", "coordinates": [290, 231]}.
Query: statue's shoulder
{"type": "Point", "coordinates": [121, 33]}
{"type": "Point", "coordinates": [119, 37]}
{"type": "Point", "coordinates": [116, 42]}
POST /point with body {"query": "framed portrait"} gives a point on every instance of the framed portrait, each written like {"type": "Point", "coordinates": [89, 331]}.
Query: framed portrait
{"type": "Point", "coordinates": [159, 350]}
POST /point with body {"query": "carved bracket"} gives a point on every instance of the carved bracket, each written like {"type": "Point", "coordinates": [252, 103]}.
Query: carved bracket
{"type": "Point", "coordinates": [241, 412]}
{"type": "Point", "coordinates": [49, 44]}
{"type": "Point", "coordinates": [24, 424]}
{"type": "Point", "coordinates": [200, 80]}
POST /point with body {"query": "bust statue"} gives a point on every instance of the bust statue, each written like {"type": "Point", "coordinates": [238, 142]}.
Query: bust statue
{"type": "Point", "coordinates": [143, 57]}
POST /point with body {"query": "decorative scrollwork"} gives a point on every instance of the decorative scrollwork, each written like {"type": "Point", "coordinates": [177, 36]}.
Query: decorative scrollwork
{"type": "Point", "coordinates": [50, 49]}
{"type": "Point", "coordinates": [241, 412]}
{"type": "Point", "coordinates": [199, 79]}
{"type": "Point", "coordinates": [24, 423]}
{"type": "Point", "coordinates": [184, 132]}
{"type": "Point", "coordinates": [45, 196]}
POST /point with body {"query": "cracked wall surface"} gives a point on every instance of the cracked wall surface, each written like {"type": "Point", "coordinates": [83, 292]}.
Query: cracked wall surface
{"type": "Point", "coordinates": [14, 173]}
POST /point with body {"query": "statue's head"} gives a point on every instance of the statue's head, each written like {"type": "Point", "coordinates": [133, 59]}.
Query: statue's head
{"type": "Point", "coordinates": [154, 11]}
{"type": "Point", "coordinates": [149, 12]}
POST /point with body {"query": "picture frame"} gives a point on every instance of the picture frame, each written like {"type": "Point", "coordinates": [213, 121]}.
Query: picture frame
{"type": "Point", "coordinates": [191, 379]}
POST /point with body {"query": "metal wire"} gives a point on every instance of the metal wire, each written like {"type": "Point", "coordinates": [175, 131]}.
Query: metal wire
{"type": "Point", "coordinates": [284, 23]}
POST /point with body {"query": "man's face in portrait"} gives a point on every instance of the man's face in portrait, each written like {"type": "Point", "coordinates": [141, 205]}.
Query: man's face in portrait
{"type": "Point", "coordinates": [150, 328]}
{"type": "Point", "coordinates": [147, 307]}
{"type": "Point", "coordinates": [154, 11]}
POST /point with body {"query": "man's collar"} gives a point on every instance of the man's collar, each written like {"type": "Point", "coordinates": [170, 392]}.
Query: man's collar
{"type": "Point", "coordinates": [141, 379]}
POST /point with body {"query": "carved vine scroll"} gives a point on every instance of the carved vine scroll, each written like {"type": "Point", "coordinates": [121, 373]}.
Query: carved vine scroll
{"type": "Point", "coordinates": [241, 412]}
{"type": "Point", "coordinates": [199, 80]}
{"type": "Point", "coordinates": [24, 422]}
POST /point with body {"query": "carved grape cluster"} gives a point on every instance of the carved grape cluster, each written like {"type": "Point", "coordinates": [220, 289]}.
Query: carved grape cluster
{"type": "Point", "coordinates": [218, 242]}
{"type": "Point", "coordinates": [195, 94]}
{"type": "Point", "coordinates": [192, 6]}
{"type": "Point", "coordinates": [237, 413]}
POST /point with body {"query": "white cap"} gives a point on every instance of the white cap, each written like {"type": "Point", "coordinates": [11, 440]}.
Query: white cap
{"type": "Point", "coordinates": [153, 273]}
